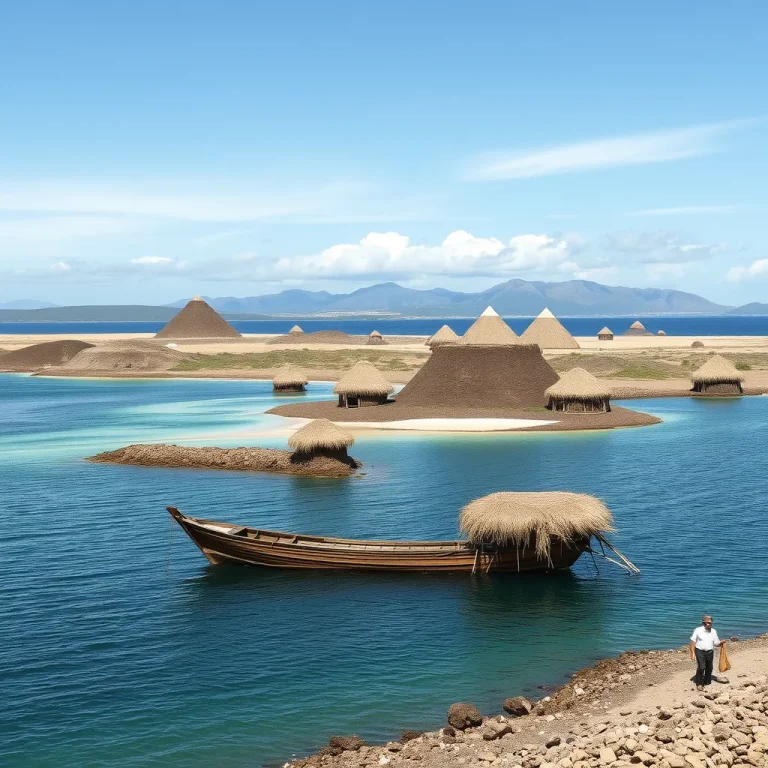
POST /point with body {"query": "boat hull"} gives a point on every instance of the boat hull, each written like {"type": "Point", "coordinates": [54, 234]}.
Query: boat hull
{"type": "Point", "coordinates": [226, 543]}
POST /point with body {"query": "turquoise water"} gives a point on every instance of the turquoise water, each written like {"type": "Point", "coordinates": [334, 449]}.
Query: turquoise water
{"type": "Point", "coordinates": [120, 644]}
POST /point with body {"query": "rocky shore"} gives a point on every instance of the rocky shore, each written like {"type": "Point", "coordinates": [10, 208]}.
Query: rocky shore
{"type": "Point", "coordinates": [240, 459]}
{"type": "Point", "coordinates": [639, 709]}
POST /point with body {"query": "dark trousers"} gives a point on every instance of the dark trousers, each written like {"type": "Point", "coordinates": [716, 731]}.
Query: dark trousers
{"type": "Point", "coordinates": [704, 661]}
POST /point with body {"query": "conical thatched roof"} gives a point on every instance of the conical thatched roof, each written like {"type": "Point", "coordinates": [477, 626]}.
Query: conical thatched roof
{"type": "Point", "coordinates": [376, 338]}
{"type": "Point", "coordinates": [363, 378]}
{"type": "Point", "coordinates": [198, 320]}
{"type": "Point", "coordinates": [637, 325]}
{"type": "Point", "coordinates": [296, 329]}
{"type": "Point", "coordinates": [445, 335]}
{"type": "Point", "coordinates": [605, 330]}
{"type": "Point", "coordinates": [578, 384]}
{"type": "Point", "coordinates": [717, 370]}
{"type": "Point", "coordinates": [289, 376]}
{"type": "Point", "coordinates": [375, 334]}
{"type": "Point", "coordinates": [549, 333]}
{"type": "Point", "coordinates": [637, 329]}
{"type": "Point", "coordinates": [661, 333]}
{"type": "Point", "coordinates": [489, 330]}
{"type": "Point", "coordinates": [322, 434]}
{"type": "Point", "coordinates": [512, 518]}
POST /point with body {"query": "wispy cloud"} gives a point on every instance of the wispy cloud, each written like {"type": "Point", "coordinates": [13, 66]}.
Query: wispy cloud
{"type": "Point", "coordinates": [689, 210]}
{"type": "Point", "coordinates": [757, 268]}
{"type": "Point", "coordinates": [602, 153]}
{"type": "Point", "coordinates": [661, 247]}
{"type": "Point", "coordinates": [56, 228]}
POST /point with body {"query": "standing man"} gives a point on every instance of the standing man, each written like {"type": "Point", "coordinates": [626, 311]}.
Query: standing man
{"type": "Point", "coordinates": [704, 640]}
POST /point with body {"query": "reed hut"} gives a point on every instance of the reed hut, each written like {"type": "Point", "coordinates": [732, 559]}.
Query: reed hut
{"type": "Point", "coordinates": [489, 330]}
{"type": "Point", "coordinates": [661, 333]}
{"type": "Point", "coordinates": [289, 379]}
{"type": "Point", "coordinates": [445, 335]}
{"type": "Point", "coordinates": [697, 344]}
{"type": "Point", "coordinates": [320, 438]}
{"type": "Point", "coordinates": [197, 320]}
{"type": "Point", "coordinates": [362, 385]}
{"type": "Point", "coordinates": [578, 391]}
{"type": "Point", "coordinates": [606, 334]}
{"type": "Point", "coordinates": [535, 520]}
{"type": "Point", "coordinates": [297, 330]}
{"type": "Point", "coordinates": [376, 339]}
{"type": "Point", "coordinates": [717, 376]}
{"type": "Point", "coordinates": [548, 332]}
{"type": "Point", "coordinates": [637, 329]}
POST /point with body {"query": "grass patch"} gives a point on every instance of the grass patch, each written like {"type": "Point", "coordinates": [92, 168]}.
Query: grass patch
{"type": "Point", "coordinates": [645, 369]}
{"type": "Point", "coordinates": [743, 367]}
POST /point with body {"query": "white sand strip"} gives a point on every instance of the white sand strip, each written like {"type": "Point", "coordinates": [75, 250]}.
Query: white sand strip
{"type": "Point", "coordinates": [447, 425]}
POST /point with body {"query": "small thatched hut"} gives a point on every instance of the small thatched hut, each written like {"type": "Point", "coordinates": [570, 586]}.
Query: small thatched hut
{"type": "Point", "coordinates": [606, 334]}
{"type": "Point", "coordinates": [578, 391]}
{"type": "Point", "coordinates": [297, 330]}
{"type": "Point", "coordinates": [637, 329]}
{"type": "Point", "coordinates": [489, 330]}
{"type": "Point", "coordinates": [549, 333]}
{"type": "Point", "coordinates": [717, 376]}
{"type": "Point", "coordinates": [661, 333]}
{"type": "Point", "coordinates": [445, 335]}
{"type": "Point", "coordinates": [376, 339]}
{"type": "Point", "coordinates": [362, 385]}
{"type": "Point", "coordinates": [289, 379]}
{"type": "Point", "coordinates": [535, 520]}
{"type": "Point", "coordinates": [320, 438]}
{"type": "Point", "coordinates": [697, 344]}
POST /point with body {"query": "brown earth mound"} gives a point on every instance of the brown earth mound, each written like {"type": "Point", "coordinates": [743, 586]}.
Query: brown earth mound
{"type": "Point", "coordinates": [243, 459]}
{"type": "Point", "coordinates": [198, 320]}
{"type": "Point", "coordinates": [458, 376]}
{"type": "Point", "coordinates": [136, 355]}
{"type": "Point", "coordinates": [42, 355]}
{"type": "Point", "coordinates": [319, 337]}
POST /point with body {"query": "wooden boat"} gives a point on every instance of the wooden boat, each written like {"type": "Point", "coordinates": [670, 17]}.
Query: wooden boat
{"type": "Point", "coordinates": [227, 543]}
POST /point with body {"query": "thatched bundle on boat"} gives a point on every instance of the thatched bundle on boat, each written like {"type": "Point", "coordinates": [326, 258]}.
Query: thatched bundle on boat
{"type": "Point", "coordinates": [297, 330]}
{"type": "Point", "coordinates": [489, 330]}
{"type": "Point", "coordinates": [445, 335]}
{"type": "Point", "coordinates": [578, 391]}
{"type": "Point", "coordinates": [535, 520]}
{"type": "Point", "coordinates": [549, 333]}
{"type": "Point", "coordinates": [321, 438]}
{"type": "Point", "coordinates": [717, 376]}
{"type": "Point", "coordinates": [375, 339]}
{"type": "Point", "coordinates": [606, 334]}
{"type": "Point", "coordinates": [362, 385]}
{"type": "Point", "coordinates": [637, 329]}
{"type": "Point", "coordinates": [197, 320]}
{"type": "Point", "coordinates": [289, 379]}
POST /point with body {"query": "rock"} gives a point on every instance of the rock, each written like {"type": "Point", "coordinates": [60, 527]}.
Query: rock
{"type": "Point", "coordinates": [607, 756]}
{"type": "Point", "coordinates": [463, 716]}
{"type": "Point", "coordinates": [498, 734]}
{"type": "Point", "coordinates": [449, 732]}
{"type": "Point", "coordinates": [486, 757]}
{"type": "Point", "coordinates": [554, 742]}
{"type": "Point", "coordinates": [346, 743]}
{"type": "Point", "coordinates": [517, 706]}
{"type": "Point", "coordinates": [393, 746]}
{"type": "Point", "coordinates": [408, 735]}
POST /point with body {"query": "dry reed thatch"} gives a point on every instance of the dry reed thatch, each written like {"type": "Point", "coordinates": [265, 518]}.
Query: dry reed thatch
{"type": "Point", "coordinates": [375, 339]}
{"type": "Point", "coordinates": [549, 333]}
{"type": "Point", "coordinates": [637, 329]}
{"type": "Point", "coordinates": [578, 384]}
{"type": "Point", "coordinates": [661, 333]}
{"type": "Point", "coordinates": [514, 519]}
{"type": "Point", "coordinates": [717, 370]}
{"type": "Point", "coordinates": [363, 378]}
{"type": "Point", "coordinates": [296, 329]}
{"type": "Point", "coordinates": [445, 335]}
{"type": "Point", "coordinates": [489, 330]}
{"type": "Point", "coordinates": [320, 434]}
{"type": "Point", "coordinates": [697, 344]}
{"type": "Point", "coordinates": [605, 333]}
{"type": "Point", "coordinates": [197, 320]}
{"type": "Point", "coordinates": [288, 376]}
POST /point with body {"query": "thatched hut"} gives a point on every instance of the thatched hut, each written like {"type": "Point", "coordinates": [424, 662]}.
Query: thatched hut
{"type": "Point", "coordinates": [717, 376]}
{"type": "Point", "coordinates": [289, 379]}
{"type": "Point", "coordinates": [445, 335]}
{"type": "Point", "coordinates": [578, 391]}
{"type": "Point", "coordinates": [297, 330]}
{"type": "Point", "coordinates": [606, 334]}
{"type": "Point", "coordinates": [661, 333]}
{"type": "Point", "coordinates": [489, 330]}
{"type": "Point", "coordinates": [362, 385]}
{"type": "Point", "coordinates": [535, 520]}
{"type": "Point", "coordinates": [320, 438]}
{"type": "Point", "coordinates": [548, 332]}
{"type": "Point", "coordinates": [197, 320]}
{"type": "Point", "coordinates": [637, 329]}
{"type": "Point", "coordinates": [376, 339]}
{"type": "Point", "coordinates": [697, 344]}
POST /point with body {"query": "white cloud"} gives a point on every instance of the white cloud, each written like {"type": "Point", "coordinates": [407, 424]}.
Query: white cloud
{"type": "Point", "coordinates": [661, 247]}
{"type": "Point", "coordinates": [610, 152]}
{"type": "Point", "coordinates": [55, 228]}
{"type": "Point", "coordinates": [755, 269]}
{"type": "Point", "coordinates": [688, 210]}
{"type": "Point", "coordinates": [152, 260]}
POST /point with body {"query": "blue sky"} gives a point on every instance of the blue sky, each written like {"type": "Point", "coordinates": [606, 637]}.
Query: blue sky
{"type": "Point", "coordinates": [155, 150]}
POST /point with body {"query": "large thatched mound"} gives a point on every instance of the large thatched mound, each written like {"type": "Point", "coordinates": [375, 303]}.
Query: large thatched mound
{"type": "Point", "coordinates": [198, 320]}
{"type": "Point", "coordinates": [504, 376]}
{"type": "Point", "coordinates": [318, 337]}
{"type": "Point", "coordinates": [520, 519]}
{"type": "Point", "coordinates": [549, 333]}
{"type": "Point", "coordinates": [134, 355]}
{"type": "Point", "coordinates": [49, 353]}
{"type": "Point", "coordinates": [637, 329]}
{"type": "Point", "coordinates": [445, 335]}
{"type": "Point", "coordinates": [320, 436]}
{"type": "Point", "coordinates": [489, 330]}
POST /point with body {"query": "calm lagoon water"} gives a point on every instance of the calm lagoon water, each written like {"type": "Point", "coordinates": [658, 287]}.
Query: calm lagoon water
{"type": "Point", "coordinates": [120, 644]}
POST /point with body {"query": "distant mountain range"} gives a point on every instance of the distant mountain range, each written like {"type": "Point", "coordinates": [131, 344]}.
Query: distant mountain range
{"type": "Point", "coordinates": [512, 298]}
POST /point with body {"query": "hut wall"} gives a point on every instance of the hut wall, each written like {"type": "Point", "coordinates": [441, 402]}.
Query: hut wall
{"type": "Point", "coordinates": [361, 401]}
{"type": "Point", "coordinates": [605, 336]}
{"type": "Point", "coordinates": [719, 388]}
{"type": "Point", "coordinates": [288, 387]}
{"type": "Point", "coordinates": [598, 405]}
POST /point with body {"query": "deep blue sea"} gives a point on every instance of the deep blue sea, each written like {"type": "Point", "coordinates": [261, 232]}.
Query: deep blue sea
{"type": "Point", "coordinates": [673, 325]}
{"type": "Point", "coordinates": [121, 645]}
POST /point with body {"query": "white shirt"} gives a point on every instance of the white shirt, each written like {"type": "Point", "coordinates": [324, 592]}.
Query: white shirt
{"type": "Point", "coordinates": [705, 640]}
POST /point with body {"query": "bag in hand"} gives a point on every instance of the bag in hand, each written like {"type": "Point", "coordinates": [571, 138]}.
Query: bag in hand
{"type": "Point", "coordinates": [724, 664]}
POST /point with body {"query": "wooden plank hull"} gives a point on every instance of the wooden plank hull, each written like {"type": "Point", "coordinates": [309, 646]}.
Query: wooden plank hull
{"type": "Point", "coordinates": [226, 543]}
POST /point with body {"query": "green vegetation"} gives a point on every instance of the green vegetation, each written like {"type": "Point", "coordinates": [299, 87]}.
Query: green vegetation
{"type": "Point", "coordinates": [341, 360]}
{"type": "Point", "coordinates": [645, 369]}
{"type": "Point", "coordinates": [743, 367]}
